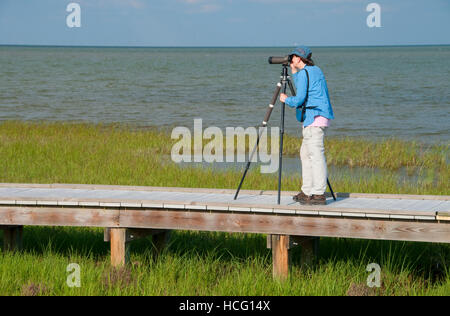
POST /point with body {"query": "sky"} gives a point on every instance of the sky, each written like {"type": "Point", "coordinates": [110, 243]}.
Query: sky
{"type": "Point", "coordinates": [224, 23]}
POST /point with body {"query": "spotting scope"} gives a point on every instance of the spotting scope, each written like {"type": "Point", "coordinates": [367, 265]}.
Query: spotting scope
{"type": "Point", "coordinates": [280, 60]}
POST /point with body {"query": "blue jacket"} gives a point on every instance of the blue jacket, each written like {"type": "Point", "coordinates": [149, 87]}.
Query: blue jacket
{"type": "Point", "coordinates": [318, 95]}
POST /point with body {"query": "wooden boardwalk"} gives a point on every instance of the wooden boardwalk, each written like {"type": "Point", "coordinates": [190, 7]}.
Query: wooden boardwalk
{"type": "Point", "coordinates": [131, 212]}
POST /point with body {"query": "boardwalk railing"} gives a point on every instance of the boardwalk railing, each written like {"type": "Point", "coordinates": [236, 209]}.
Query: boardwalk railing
{"type": "Point", "coordinates": [128, 213]}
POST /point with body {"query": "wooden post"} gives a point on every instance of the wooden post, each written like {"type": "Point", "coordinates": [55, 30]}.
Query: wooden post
{"type": "Point", "coordinates": [119, 253]}
{"type": "Point", "coordinates": [107, 234]}
{"type": "Point", "coordinates": [121, 237]}
{"type": "Point", "coordinates": [281, 245]}
{"type": "Point", "coordinates": [160, 241]}
{"type": "Point", "coordinates": [12, 238]}
{"type": "Point", "coordinates": [310, 249]}
{"type": "Point", "coordinates": [280, 256]}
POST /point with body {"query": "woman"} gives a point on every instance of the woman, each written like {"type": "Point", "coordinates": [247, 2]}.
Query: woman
{"type": "Point", "coordinates": [312, 91]}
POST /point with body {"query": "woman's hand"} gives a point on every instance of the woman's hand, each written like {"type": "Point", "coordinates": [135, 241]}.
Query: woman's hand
{"type": "Point", "coordinates": [283, 98]}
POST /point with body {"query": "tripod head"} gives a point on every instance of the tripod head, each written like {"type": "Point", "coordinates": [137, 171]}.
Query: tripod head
{"type": "Point", "coordinates": [284, 72]}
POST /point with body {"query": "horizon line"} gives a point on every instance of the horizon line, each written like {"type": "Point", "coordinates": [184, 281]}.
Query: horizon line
{"type": "Point", "coordinates": [130, 46]}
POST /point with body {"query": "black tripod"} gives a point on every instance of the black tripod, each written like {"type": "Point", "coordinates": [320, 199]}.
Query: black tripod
{"type": "Point", "coordinates": [282, 85]}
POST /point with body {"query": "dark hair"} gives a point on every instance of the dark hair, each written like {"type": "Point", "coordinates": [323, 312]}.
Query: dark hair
{"type": "Point", "coordinates": [308, 61]}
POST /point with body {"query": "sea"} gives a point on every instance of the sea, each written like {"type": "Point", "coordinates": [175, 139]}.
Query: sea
{"type": "Point", "coordinates": [376, 92]}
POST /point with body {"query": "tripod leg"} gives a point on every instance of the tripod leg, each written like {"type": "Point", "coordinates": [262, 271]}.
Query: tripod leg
{"type": "Point", "coordinates": [247, 167]}
{"type": "Point", "coordinates": [264, 124]}
{"type": "Point", "coordinates": [331, 190]}
{"type": "Point", "coordinates": [280, 168]}
{"type": "Point", "coordinates": [292, 88]}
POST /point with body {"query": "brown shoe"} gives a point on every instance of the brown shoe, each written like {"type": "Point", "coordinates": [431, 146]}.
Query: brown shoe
{"type": "Point", "coordinates": [302, 198]}
{"type": "Point", "coordinates": [318, 200]}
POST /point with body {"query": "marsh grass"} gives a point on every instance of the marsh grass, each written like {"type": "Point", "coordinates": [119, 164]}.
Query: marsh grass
{"type": "Point", "coordinates": [201, 263]}
{"type": "Point", "coordinates": [49, 152]}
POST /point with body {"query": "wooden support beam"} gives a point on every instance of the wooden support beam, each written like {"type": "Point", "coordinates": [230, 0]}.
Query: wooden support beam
{"type": "Point", "coordinates": [160, 241]}
{"type": "Point", "coordinates": [361, 228]}
{"type": "Point", "coordinates": [107, 234]}
{"type": "Point", "coordinates": [310, 249]}
{"type": "Point", "coordinates": [289, 225]}
{"type": "Point", "coordinates": [57, 216]}
{"type": "Point", "coordinates": [121, 237]}
{"type": "Point", "coordinates": [12, 238]}
{"type": "Point", "coordinates": [280, 256]}
{"type": "Point", "coordinates": [119, 249]}
{"type": "Point", "coordinates": [138, 233]}
{"type": "Point", "coordinates": [133, 233]}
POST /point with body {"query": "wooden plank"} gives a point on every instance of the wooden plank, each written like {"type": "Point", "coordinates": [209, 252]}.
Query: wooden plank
{"type": "Point", "coordinates": [195, 207]}
{"type": "Point", "coordinates": [152, 205]}
{"type": "Point", "coordinates": [345, 214]}
{"type": "Point", "coordinates": [12, 238]}
{"type": "Point", "coordinates": [330, 213]}
{"type": "Point", "coordinates": [410, 217]}
{"type": "Point", "coordinates": [425, 218]}
{"type": "Point", "coordinates": [47, 203]}
{"type": "Point", "coordinates": [26, 202]}
{"type": "Point", "coordinates": [7, 202]}
{"type": "Point", "coordinates": [119, 251]}
{"type": "Point", "coordinates": [130, 205]}
{"type": "Point", "coordinates": [283, 211]}
{"type": "Point", "coordinates": [305, 212]}
{"type": "Point", "coordinates": [239, 209]}
{"type": "Point", "coordinates": [416, 204]}
{"type": "Point", "coordinates": [217, 207]}
{"type": "Point", "coordinates": [261, 210]}
{"type": "Point", "coordinates": [214, 191]}
{"type": "Point", "coordinates": [374, 215]}
{"type": "Point", "coordinates": [12, 191]}
{"type": "Point", "coordinates": [110, 204]}
{"type": "Point", "coordinates": [199, 197]}
{"type": "Point", "coordinates": [289, 225]}
{"type": "Point", "coordinates": [176, 206]}
{"type": "Point", "coordinates": [399, 196]}
{"type": "Point", "coordinates": [443, 218]}
{"type": "Point", "coordinates": [419, 205]}
{"type": "Point", "coordinates": [67, 203]}
{"type": "Point", "coordinates": [341, 206]}
{"type": "Point", "coordinates": [88, 203]}
{"type": "Point", "coordinates": [280, 256]}
{"type": "Point", "coordinates": [44, 216]}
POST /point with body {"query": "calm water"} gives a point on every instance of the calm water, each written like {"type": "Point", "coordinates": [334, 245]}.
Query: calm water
{"type": "Point", "coordinates": [376, 92]}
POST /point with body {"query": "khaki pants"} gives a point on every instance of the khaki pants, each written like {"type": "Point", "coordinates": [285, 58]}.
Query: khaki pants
{"type": "Point", "coordinates": [314, 165]}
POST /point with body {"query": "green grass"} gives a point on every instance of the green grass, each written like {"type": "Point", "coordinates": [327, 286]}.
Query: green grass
{"type": "Point", "coordinates": [217, 264]}
{"type": "Point", "coordinates": [116, 154]}
{"type": "Point", "coordinates": [197, 263]}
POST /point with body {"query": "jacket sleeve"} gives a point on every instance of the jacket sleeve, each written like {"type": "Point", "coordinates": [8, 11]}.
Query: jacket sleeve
{"type": "Point", "coordinates": [301, 82]}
